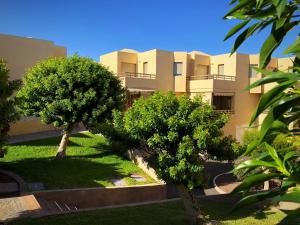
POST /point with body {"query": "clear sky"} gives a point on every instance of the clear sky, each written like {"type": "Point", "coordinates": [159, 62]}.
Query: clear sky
{"type": "Point", "coordinates": [95, 27]}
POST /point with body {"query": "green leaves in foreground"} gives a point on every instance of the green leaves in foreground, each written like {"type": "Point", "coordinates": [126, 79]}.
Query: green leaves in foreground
{"type": "Point", "coordinates": [258, 15]}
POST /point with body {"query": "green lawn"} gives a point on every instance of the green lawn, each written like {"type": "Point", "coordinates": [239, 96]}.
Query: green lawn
{"type": "Point", "coordinates": [89, 163]}
{"type": "Point", "coordinates": [171, 213]}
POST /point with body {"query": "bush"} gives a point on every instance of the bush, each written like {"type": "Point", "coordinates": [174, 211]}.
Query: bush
{"type": "Point", "coordinates": [119, 140]}
{"type": "Point", "coordinates": [249, 136]}
{"type": "Point", "coordinates": [225, 148]}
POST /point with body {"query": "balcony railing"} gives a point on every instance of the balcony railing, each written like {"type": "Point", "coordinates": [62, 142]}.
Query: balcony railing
{"type": "Point", "coordinates": [139, 75]}
{"type": "Point", "coordinates": [212, 76]}
{"type": "Point", "coordinates": [229, 111]}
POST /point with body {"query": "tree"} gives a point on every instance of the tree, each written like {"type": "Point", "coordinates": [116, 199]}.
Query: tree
{"type": "Point", "coordinates": [7, 103]}
{"type": "Point", "coordinates": [176, 131]}
{"type": "Point", "coordinates": [67, 91]}
{"type": "Point", "coordinates": [282, 101]}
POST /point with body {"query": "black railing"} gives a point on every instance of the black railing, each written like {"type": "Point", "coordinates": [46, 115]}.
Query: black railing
{"type": "Point", "coordinates": [229, 111]}
{"type": "Point", "coordinates": [139, 75]}
{"type": "Point", "coordinates": [212, 76]}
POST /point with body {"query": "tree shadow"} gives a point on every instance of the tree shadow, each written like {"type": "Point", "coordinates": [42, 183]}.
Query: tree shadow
{"type": "Point", "coordinates": [292, 217]}
{"type": "Point", "coordinates": [220, 207]}
{"type": "Point", "coordinates": [71, 172]}
{"type": "Point", "coordinates": [52, 141]}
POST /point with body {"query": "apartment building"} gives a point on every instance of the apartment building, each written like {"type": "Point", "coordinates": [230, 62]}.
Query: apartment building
{"type": "Point", "coordinates": [220, 79]}
{"type": "Point", "coordinates": [21, 53]}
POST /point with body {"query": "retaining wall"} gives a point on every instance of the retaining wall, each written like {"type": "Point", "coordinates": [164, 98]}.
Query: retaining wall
{"type": "Point", "coordinates": [99, 197]}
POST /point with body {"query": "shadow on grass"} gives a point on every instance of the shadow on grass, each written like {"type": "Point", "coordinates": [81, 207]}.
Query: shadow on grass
{"type": "Point", "coordinates": [52, 141]}
{"type": "Point", "coordinates": [71, 172]}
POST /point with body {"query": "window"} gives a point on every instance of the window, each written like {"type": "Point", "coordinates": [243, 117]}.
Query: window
{"type": "Point", "coordinates": [252, 72]}
{"type": "Point", "coordinates": [223, 102]}
{"type": "Point", "coordinates": [177, 68]}
{"type": "Point", "coordinates": [202, 70]}
{"type": "Point", "coordinates": [221, 69]}
{"type": "Point", "coordinates": [145, 67]}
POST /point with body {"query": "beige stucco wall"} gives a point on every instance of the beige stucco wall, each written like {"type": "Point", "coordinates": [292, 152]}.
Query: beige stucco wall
{"type": "Point", "coordinates": [21, 54]}
{"type": "Point", "coordinates": [180, 81]}
{"type": "Point", "coordinates": [244, 102]}
{"type": "Point", "coordinates": [164, 70]}
{"type": "Point", "coordinates": [161, 63]}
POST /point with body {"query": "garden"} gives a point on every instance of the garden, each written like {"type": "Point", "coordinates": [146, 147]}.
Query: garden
{"type": "Point", "coordinates": [90, 163]}
{"type": "Point", "coordinates": [176, 134]}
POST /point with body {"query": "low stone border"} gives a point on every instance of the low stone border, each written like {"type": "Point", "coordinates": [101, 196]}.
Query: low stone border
{"type": "Point", "coordinates": [23, 188]}
{"type": "Point", "coordinates": [83, 198]}
{"type": "Point", "coordinates": [137, 157]}
{"type": "Point", "coordinates": [216, 187]}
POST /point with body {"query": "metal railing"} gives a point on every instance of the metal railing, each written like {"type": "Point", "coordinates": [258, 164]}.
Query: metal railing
{"type": "Point", "coordinates": [139, 75]}
{"type": "Point", "coordinates": [212, 76]}
{"type": "Point", "coordinates": [229, 111]}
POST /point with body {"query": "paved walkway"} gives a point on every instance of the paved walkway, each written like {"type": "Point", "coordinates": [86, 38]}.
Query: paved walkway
{"type": "Point", "coordinates": [39, 135]}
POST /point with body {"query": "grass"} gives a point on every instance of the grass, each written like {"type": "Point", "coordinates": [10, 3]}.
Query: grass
{"type": "Point", "coordinates": [170, 213]}
{"type": "Point", "coordinates": [89, 163]}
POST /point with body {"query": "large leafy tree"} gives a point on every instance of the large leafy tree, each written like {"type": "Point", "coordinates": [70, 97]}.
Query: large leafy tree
{"type": "Point", "coordinates": [7, 103]}
{"type": "Point", "coordinates": [176, 131]}
{"type": "Point", "coordinates": [67, 91]}
{"type": "Point", "coordinates": [282, 102]}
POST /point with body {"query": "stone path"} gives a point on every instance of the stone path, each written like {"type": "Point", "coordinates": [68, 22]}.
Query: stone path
{"type": "Point", "coordinates": [18, 207]}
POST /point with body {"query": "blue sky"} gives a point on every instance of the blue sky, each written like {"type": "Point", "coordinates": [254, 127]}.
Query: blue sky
{"type": "Point", "coordinates": [95, 27]}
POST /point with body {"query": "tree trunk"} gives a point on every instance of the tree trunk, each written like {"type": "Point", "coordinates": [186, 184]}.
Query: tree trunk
{"type": "Point", "coordinates": [61, 151]}
{"type": "Point", "coordinates": [191, 205]}
{"type": "Point", "coordinates": [1, 152]}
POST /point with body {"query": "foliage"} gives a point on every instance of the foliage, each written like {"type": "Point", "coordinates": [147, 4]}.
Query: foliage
{"type": "Point", "coordinates": [249, 136]}
{"type": "Point", "coordinates": [281, 16]}
{"type": "Point", "coordinates": [8, 113]}
{"type": "Point", "coordinates": [115, 134]}
{"type": "Point", "coordinates": [281, 102]}
{"type": "Point", "coordinates": [67, 91]}
{"type": "Point", "coordinates": [176, 131]}
{"type": "Point", "coordinates": [225, 148]}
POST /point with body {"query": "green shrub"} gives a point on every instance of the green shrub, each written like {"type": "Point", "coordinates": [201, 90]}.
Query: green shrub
{"type": "Point", "coordinates": [225, 148]}
{"type": "Point", "coordinates": [249, 136]}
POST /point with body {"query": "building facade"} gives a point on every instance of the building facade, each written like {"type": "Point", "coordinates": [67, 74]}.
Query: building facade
{"type": "Point", "coordinates": [220, 79]}
{"type": "Point", "coordinates": [20, 54]}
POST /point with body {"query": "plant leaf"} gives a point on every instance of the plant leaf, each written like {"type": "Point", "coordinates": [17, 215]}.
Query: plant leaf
{"type": "Point", "coordinates": [244, 35]}
{"type": "Point", "coordinates": [255, 198]}
{"type": "Point", "coordinates": [268, 98]}
{"type": "Point", "coordinates": [273, 41]}
{"type": "Point", "coordinates": [255, 163]}
{"type": "Point", "coordinates": [236, 29]}
{"type": "Point", "coordinates": [254, 180]}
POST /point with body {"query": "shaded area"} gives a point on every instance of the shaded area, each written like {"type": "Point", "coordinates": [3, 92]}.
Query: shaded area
{"type": "Point", "coordinates": [170, 213]}
{"type": "Point", "coordinates": [54, 141]}
{"type": "Point", "coordinates": [69, 173]}
{"type": "Point", "coordinates": [88, 163]}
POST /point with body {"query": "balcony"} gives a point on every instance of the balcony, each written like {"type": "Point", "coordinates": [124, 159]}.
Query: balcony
{"type": "Point", "coordinates": [213, 76]}
{"type": "Point", "coordinates": [143, 81]}
{"type": "Point", "coordinates": [211, 83]}
{"type": "Point", "coordinates": [139, 75]}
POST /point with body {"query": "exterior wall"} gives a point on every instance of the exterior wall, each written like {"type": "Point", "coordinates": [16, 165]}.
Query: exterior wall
{"type": "Point", "coordinates": [111, 61]}
{"type": "Point", "coordinates": [21, 54]}
{"type": "Point", "coordinates": [164, 70]}
{"type": "Point", "coordinates": [180, 81]}
{"type": "Point", "coordinates": [198, 70]}
{"type": "Point", "coordinates": [245, 103]}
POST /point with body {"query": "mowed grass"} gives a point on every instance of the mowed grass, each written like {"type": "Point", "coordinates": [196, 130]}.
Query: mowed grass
{"type": "Point", "coordinates": [89, 163]}
{"type": "Point", "coordinates": [170, 213]}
